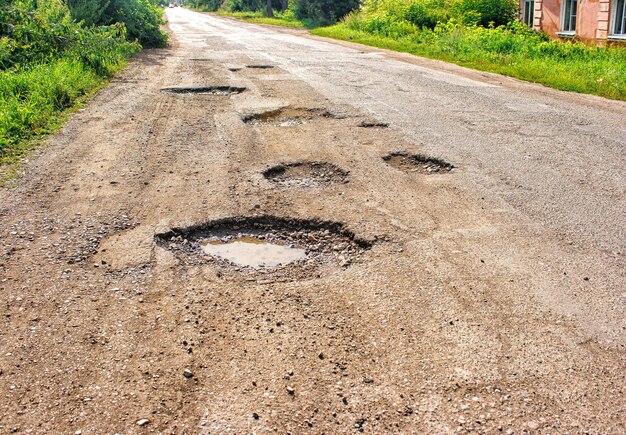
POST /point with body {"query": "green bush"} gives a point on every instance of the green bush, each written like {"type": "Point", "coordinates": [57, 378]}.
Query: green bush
{"type": "Point", "coordinates": [426, 13]}
{"type": "Point", "coordinates": [89, 12]}
{"type": "Point", "coordinates": [485, 12]}
{"type": "Point", "coordinates": [206, 5]}
{"type": "Point", "coordinates": [243, 5]}
{"type": "Point", "coordinates": [324, 11]}
{"type": "Point", "coordinates": [142, 18]}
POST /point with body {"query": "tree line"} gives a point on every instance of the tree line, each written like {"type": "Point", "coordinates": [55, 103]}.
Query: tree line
{"type": "Point", "coordinates": [320, 12]}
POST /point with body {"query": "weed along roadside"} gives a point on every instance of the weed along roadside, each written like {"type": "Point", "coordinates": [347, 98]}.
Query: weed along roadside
{"type": "Point", "coordinates": [53, 55]}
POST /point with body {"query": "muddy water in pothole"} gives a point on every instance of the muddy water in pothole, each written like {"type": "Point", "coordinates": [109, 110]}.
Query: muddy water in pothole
{"type": "Point", "coordinates": [253, 252]}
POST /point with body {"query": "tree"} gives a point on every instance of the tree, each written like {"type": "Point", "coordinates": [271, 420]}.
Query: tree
{"type": "Point", "coordinates": [90, 12]}
{"type": "Point", "coordinates": [324, 11]}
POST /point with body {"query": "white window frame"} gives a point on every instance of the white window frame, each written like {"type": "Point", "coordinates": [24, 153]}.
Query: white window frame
{"type": "Point", "coordinates": [568, 33]}
{"type": "Point", "coordinates": [529, 21]}
{"type": "Point", "coordinates": [615, 16]}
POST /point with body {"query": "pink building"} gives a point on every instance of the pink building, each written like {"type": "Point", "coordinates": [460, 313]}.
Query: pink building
{"type": "Point", "coordinates": [599, 20]}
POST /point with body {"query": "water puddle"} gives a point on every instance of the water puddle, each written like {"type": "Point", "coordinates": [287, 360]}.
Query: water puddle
{"type": "Point", "coordinates": [253, 252]}
{"type": "Point", "coordinates": [417, 163]}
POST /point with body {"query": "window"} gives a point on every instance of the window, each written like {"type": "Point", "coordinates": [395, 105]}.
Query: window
{"type": "Point", "coordinates": [569, 16]}
{"type": "Point", "coordinates": [528, 13]}
{"type": "Point", "coordinates": [619, 18]}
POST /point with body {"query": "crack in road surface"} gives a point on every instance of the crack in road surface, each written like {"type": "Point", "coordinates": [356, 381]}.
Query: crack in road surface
{"type": "Point", "coordinates": [487, 300]}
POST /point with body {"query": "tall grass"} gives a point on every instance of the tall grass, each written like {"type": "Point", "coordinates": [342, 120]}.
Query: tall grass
{"type": "Point", "coordinates": [47, 65]}
{"type": "Point", "coordinates": [32, 101]}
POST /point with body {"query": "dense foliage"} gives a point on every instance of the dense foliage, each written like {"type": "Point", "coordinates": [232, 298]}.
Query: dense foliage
{"type": "Point", "coordinates": [311, 12]}
{"type": "Point", "coordinates": [142, 18]}
{"type": "Point", "coordinates": [48, 61]}
{"type": "Point", "coordinates": [238, 5]}
{"type": "Point", "coordinates": [324, 11]}
{"type": "Point", "coordinates": [427, 13]}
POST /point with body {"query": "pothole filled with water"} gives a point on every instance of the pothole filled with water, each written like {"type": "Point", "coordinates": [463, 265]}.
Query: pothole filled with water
{"type": "Point", "coordinates": [417, 163]}
{"type": "Point", "coordinates": [288, 116]}
{"type": "Point", "coordinates": [253, 252]}
{"type": "Point", "coordinates": [306, 174]}
{"type": "Point", "coordinates": [207, 90]}
{"type": "Point", "coordinates": [265, 245]}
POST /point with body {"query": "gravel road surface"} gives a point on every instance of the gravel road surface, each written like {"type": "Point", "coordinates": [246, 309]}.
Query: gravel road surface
{"type": "Point", "coordinates": [460, 238]}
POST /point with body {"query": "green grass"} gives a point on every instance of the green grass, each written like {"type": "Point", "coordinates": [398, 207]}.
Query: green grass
{"type": "Point", "coordinates": [514, 51]}
{"type": "Point", "coordinates": [258, 18]}
{"type": "Point", "coordinates": [35, 101]}
{"type": "Point", "coordinates": [49, 65]}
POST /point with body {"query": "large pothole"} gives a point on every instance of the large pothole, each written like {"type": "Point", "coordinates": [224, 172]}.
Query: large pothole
{"type": "Point", "coordinates": [207, 90]}
{"type": "Point", "coordinates": [265, 245]}
{"type": "Point", "coordinates": [306, 174]}
{"type": "Point", "coordinates": [288, 116]}
{"type": "Point", "coordinates": [417, 163]}
{"type": "Point", "coordinates": [260, 66]}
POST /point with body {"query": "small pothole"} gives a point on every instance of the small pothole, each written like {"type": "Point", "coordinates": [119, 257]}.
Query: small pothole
{"type": "Point", "coordinates": [306, 174]}
{"type": "Point", "coordinates": [265, 245]}
{"type": "Point", "coordinates": [288, 116]}
{"type": "Point", "coordinates": [208, 90]}
{"type": "Point", "coordinates": [200, 59]}
{"type": "Point", "coordinates": [417, 163]}
{"type": "Point", "coordinates": [373, 124]}
{"type": "Point", "coordinates": [259, 66]}
{"type": "Point", "coordinates": [234, 68]}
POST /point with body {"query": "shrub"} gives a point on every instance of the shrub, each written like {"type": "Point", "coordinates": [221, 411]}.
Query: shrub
{"type": "Point", "coordinates": [207, 5]}
{"type": "Point", "coordinates": [426, 13]}
{"type": "Point", "coordinates": [243, 5]}
{"type": "Point", "coordinates": [142, 19]}
{"type": "Point", "coordinates": [324, 11]}
{"type": "Point", "coordinates": [485, 12]}
{"type": "Point", "coordinates": [89, 12]}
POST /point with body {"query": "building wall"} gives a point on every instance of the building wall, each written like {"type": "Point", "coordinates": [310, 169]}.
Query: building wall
{"type": "Point", "coordinates": [551, 17]}
{"type": "Point", "coordinates": [587, 19]}
{"type": "Point", "coordinates": [604, 16]}
{"type": "Point", "coordinates": [593, 18]}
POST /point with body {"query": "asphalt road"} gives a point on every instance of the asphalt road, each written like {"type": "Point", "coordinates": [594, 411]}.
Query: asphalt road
{"type": "Point", "coordinates": [489, 298]}
{"type": "Point", "coordinates": [558, 158]}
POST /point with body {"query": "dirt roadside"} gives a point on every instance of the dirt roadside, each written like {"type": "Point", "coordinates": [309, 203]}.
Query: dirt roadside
{"type": "Point", "coordinates": [441, 309]}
